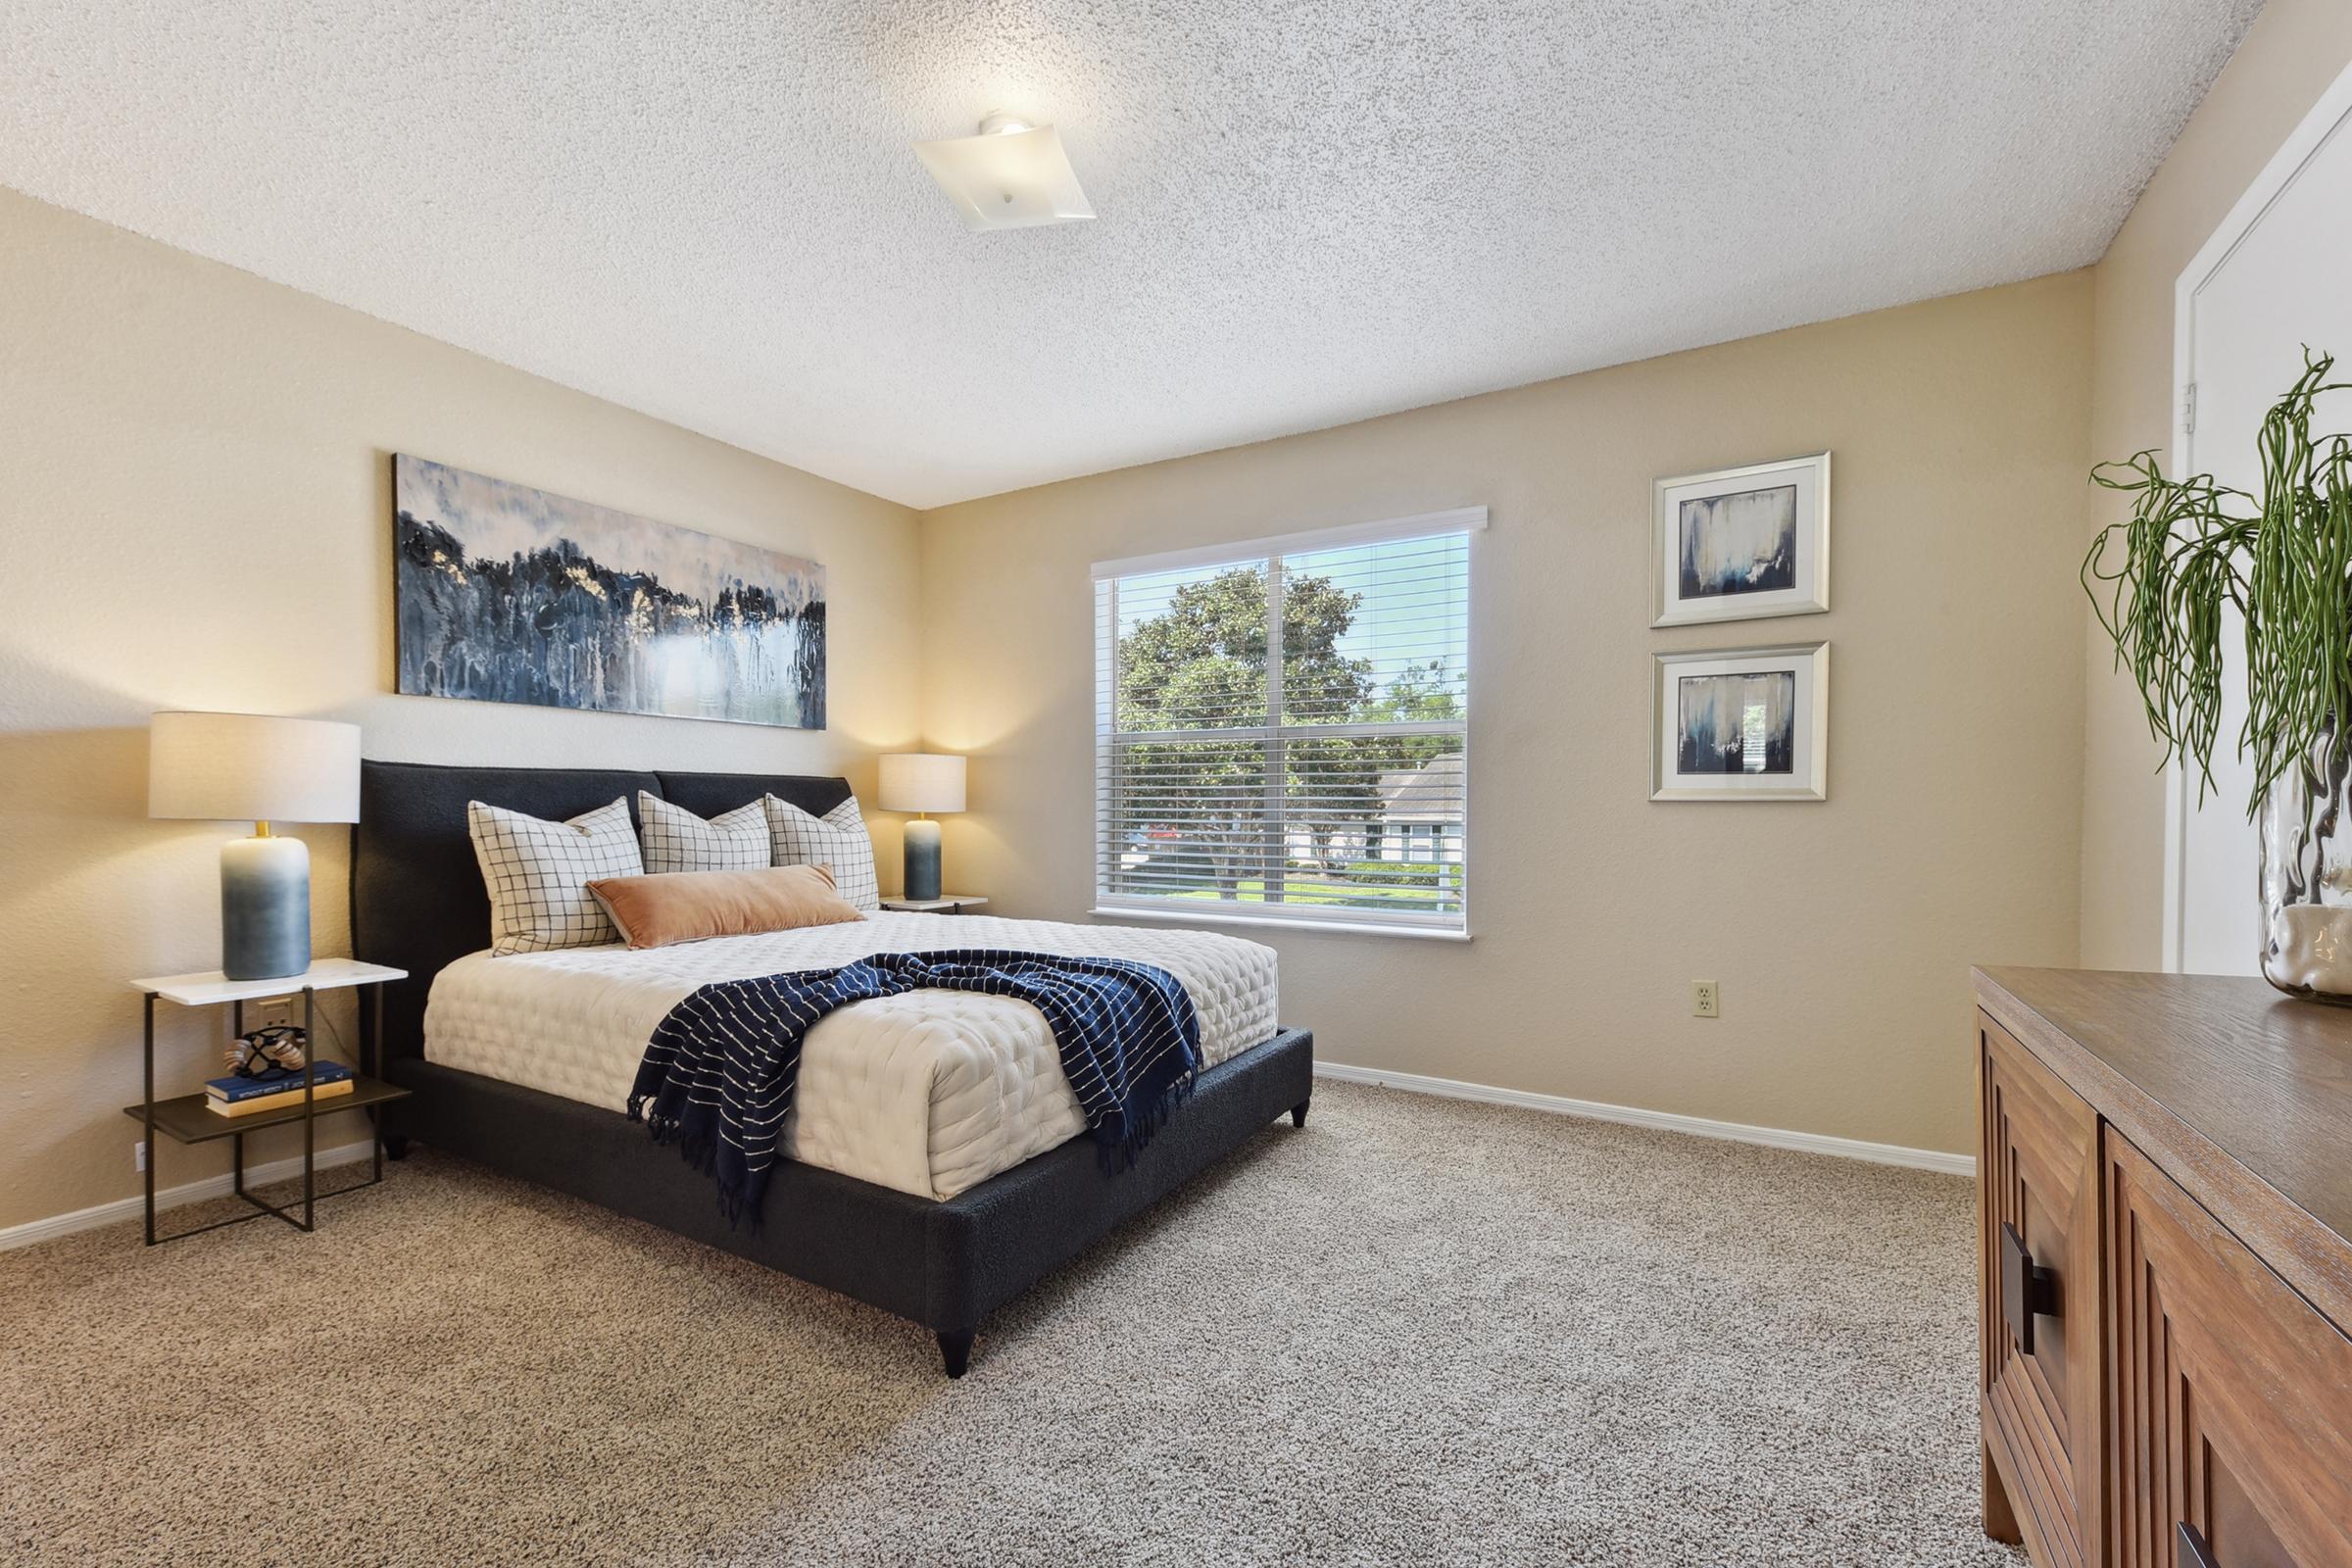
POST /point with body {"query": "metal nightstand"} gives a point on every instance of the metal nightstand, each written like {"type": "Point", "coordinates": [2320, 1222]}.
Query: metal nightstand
{"type": "Point", "coordinates": [187, 1119]}
{"type": "Point", "coordinates": [952, 904]}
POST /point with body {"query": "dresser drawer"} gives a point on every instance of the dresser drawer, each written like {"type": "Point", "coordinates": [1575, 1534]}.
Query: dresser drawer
{"type": "Point", "coordinates": [2230, 1397]}
{"type": "Point", "coordinates": [2038, 1192]}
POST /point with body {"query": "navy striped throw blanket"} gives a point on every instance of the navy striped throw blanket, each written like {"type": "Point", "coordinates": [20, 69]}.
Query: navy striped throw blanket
{"type": "Point", "coordinates": [719, 1077]}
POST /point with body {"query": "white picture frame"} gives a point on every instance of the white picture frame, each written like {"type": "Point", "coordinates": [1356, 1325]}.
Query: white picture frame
{"type": "Point", "coordinates": [1781, 695]}
{"type": "Point", "coordinates": [1741, 544]}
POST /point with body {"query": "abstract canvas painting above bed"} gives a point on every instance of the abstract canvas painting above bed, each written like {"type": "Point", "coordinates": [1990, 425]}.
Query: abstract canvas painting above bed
{"type": "Point", "coordinates": [508, 594]}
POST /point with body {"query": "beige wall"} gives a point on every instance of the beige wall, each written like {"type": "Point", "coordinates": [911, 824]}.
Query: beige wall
{"type": "Point", "coordinates": [1841, 933]}
{"type": "Point", "coordinates": [195, 512]}
{"type": "Point", "coordinates": [2288, 59]}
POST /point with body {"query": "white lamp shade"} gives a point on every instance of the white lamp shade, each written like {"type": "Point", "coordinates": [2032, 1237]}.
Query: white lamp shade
{"type": "Point", "coordinates": [1008, 178]}
{"type": "Point", "coordinates": [922, 781]}
{"type": "Point", "coordinates": [250, 767]}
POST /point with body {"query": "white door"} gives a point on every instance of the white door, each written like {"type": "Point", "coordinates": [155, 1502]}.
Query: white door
{"type": "Point", "coordinates": [2274, 277]}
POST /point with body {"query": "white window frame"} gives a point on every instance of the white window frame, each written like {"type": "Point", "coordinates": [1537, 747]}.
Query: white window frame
{"type": "Point", "coordinates": [1469, 521]}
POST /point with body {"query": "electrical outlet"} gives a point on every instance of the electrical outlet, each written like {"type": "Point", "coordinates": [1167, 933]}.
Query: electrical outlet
{"type": "Point", "coordinates": [138, 1154]}
{"type": "Point", "coordinates": [1706, 1002]}
{"type": "Point", "coordinates": [277, 1010]}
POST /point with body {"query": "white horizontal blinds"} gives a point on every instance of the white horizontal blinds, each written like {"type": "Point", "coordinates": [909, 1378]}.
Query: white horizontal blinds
{"type": "Point", "coordinates": [1328, 782]}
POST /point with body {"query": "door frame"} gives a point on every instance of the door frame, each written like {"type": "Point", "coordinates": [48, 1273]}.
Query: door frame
{"type": "Point", "coordinates": [2328, 117]}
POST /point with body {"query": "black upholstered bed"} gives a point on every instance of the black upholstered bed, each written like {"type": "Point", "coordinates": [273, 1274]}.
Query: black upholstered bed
{"type": "Point", "coordinates": [417, 902]}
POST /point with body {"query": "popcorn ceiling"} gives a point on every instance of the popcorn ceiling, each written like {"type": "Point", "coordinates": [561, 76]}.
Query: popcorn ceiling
{"type": "Point", "coordinates": [1311, 211]}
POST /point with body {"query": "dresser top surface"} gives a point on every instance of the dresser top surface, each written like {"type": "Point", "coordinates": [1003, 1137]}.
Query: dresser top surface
{"type": "Point", "coordinates": [2264, 1079]}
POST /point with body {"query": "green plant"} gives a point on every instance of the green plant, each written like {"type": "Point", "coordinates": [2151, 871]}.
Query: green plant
{"type": "Point", "coordinates": [2192, 547]}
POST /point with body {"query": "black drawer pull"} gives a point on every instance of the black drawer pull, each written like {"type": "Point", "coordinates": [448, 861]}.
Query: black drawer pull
{"type": "Point", "coordinates": [2027, 1290]}
{"type": "Point", "coordinates": [2192, 1548]}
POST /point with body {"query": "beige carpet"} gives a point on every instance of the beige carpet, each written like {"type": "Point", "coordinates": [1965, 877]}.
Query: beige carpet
{"type": "Point", "coordinates": [1419, 1331]}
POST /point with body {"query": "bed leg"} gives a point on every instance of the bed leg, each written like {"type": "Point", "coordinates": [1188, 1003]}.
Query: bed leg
{"type": "Point", "coordinates": [396, 1146]}
{"type": "Point", "coordinates": [956, 1352]}
{"type": "Point", "coordinates": [1298, 1111]}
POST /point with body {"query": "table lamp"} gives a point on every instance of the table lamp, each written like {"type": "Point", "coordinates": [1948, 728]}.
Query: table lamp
{"type": "Point", "coordinates": [249, 766]}
{"type": "Point", "coordinates": [923, 782]}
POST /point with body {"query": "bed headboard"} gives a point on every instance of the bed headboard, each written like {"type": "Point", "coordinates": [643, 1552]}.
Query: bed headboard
{"type": "Point", "coordinates": [417, 899]}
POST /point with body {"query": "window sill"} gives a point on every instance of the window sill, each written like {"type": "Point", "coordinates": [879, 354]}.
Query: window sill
{"type": "Point", "coordinates": [1263, 922]}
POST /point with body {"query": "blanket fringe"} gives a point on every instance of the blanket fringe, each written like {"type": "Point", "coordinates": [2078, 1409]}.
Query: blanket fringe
{"type": "Point", "coordinates": [700, 1151]}
{"type": "Point", "coordinates": [1121, 1153]}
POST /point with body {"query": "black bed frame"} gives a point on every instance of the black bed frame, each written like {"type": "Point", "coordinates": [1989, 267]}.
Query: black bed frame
{"type": "Point", "coordinates": [417, 902]}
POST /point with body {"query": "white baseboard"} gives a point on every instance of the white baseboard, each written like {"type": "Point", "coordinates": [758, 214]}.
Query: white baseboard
{"type": "Point", "coordinates": [123, 1208]}
{"type": "Point", "coordinates": [1664, 1121]}
{"type": "Point", "coordinates": [221, 1185]}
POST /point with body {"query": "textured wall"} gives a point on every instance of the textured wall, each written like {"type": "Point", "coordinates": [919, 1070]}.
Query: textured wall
{"type": "Point", "coordinates": [2295, 50]}
{"type": "Point", "coordinates": [1841, 933]}
{"type": "Point", "coordinates": [196, 512]}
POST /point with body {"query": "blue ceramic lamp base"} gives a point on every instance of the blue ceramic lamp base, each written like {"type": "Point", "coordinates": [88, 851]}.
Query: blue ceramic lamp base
{"type": "Point", "coordinates": [923, 860]}
{"type": "Point", "coordinates": [264, 907]}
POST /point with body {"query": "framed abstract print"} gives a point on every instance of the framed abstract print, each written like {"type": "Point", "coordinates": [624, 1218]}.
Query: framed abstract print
{"type": "Point", "coordinates": [1741, 724]}
{"type": "Point", "coordinates": [1739, 544]}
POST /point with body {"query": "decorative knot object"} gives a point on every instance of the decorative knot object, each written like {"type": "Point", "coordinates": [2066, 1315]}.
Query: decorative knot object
{"type": "Point", "coordinates": [273, 1048]}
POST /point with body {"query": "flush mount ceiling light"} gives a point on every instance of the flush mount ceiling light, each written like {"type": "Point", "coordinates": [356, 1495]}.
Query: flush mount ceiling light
{"type": "Point", "coordinates": [1011, 175]}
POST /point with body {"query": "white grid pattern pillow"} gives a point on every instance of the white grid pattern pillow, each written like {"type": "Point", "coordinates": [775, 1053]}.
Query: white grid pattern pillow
{"type": "Point", "coordinates": [837, 841]}
{"type": "Point", "coordinates": [538, 873]}
{"type": "Point", "coordinates": [677, 840]}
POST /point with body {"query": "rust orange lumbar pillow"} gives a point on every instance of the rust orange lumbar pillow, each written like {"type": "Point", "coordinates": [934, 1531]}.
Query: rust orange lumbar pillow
{"type": "Point", "coordinates": [654, 911]}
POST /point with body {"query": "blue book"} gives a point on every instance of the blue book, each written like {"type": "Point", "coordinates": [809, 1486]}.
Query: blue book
{"type": "Point", "coordinates": [277, 1081]}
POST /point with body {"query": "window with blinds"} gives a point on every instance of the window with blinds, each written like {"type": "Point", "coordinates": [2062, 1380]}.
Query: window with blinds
{"type": "Point", "coordinates": [1282, 728]}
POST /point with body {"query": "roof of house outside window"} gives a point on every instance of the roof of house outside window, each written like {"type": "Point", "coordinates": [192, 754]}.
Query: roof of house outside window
{"type": "Point", "coordinates": [1430, 793]}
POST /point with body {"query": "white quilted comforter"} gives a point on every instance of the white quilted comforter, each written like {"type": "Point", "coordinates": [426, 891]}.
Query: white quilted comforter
{"type": "Point", "coordinates": [931, 1092]}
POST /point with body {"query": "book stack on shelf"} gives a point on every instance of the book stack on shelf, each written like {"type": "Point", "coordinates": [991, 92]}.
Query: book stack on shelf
{"type": "Point", "coordinates": [237, 1096]}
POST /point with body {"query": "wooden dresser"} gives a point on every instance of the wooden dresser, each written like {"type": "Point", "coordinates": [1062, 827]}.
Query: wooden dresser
{"type": "Point", "coordinates": [2165, 1192]}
